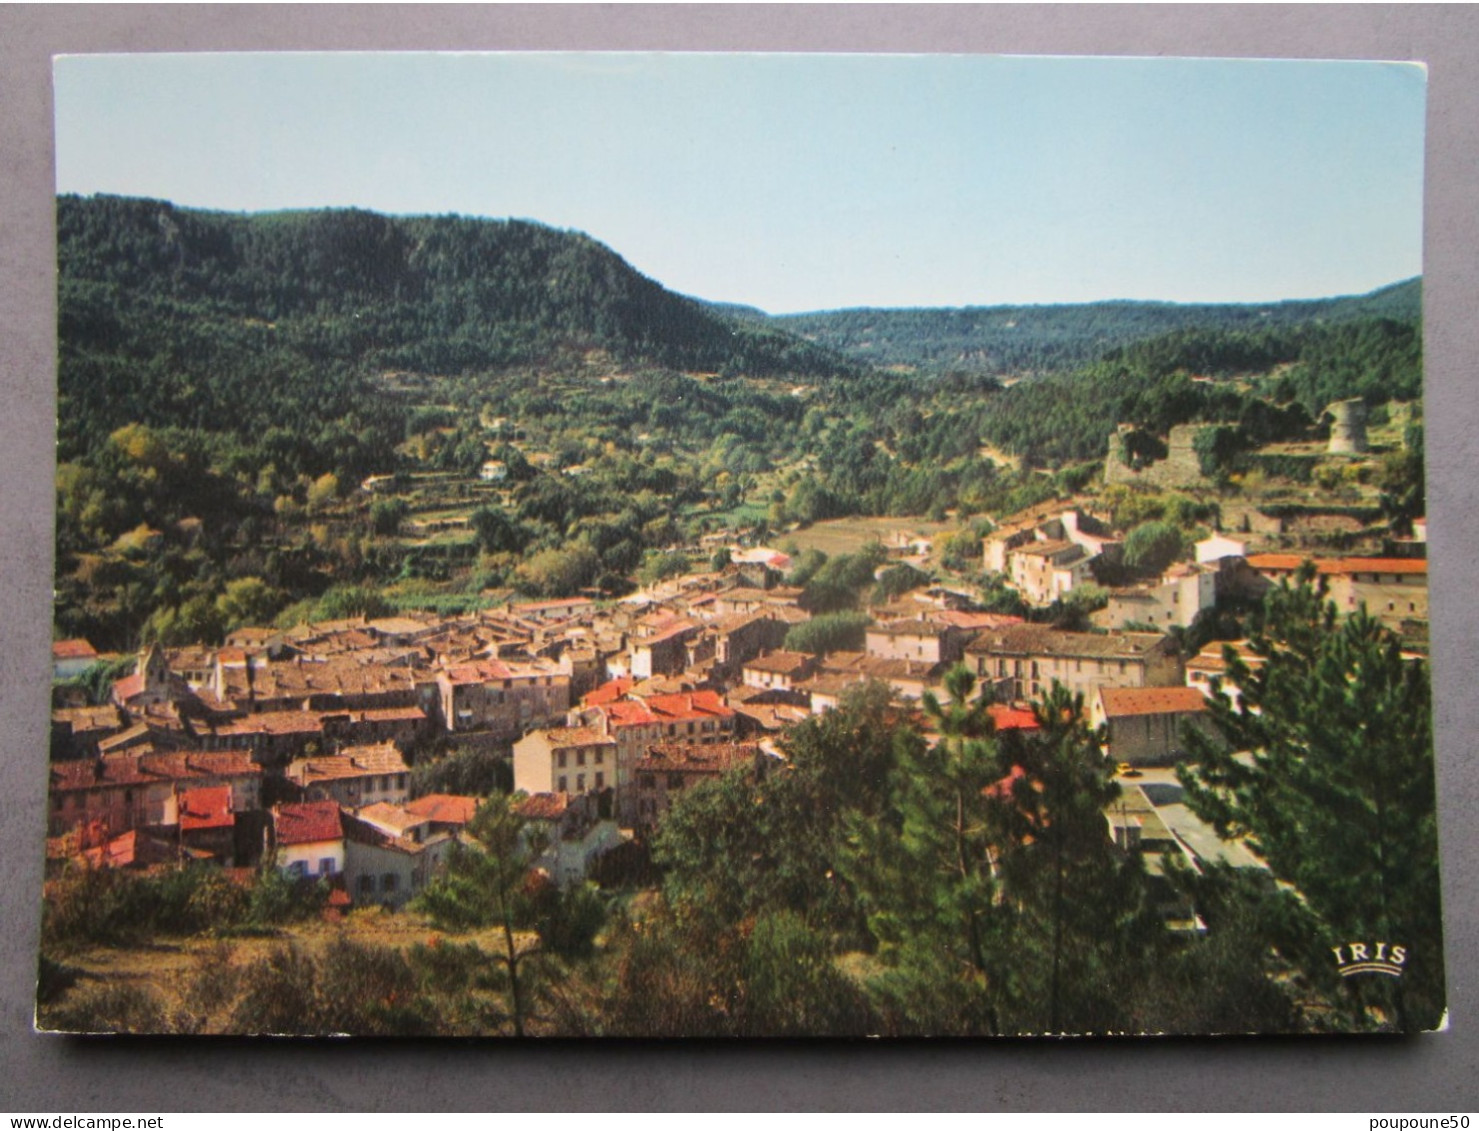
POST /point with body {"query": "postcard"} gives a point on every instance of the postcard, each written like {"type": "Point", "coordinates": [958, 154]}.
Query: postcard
{"type": "Point", "coordinates": [600, 544]}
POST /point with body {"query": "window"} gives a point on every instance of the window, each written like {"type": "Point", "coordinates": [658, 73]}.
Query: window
{"type": "Point", "coordinates": [562, 759]}
{"type": "Point", "coordinates": [649, 781]}
{"type": "Point", "coordinates": [675, 781]}
{"type": "Point", "coordinates": [600, 781]}
{"type": "Point", "coordinates": [579, 783]}
{"type": "Point", "coordinates": [298, 869]}
{"type": "Point", "coordinates": [389, 881]}
{"type": "Point", "coordinates": [400, 781]}
{"type": "Point", "coordinates": [562, 785]}
{"type": "Point", "coordinates": [326, 866]}
{"type": "Point", "coordinates": [366, 885]}
{"type": "Point", "coordinates": [600, 756]}
{"type": "Point", "coordinates": [580, 757]}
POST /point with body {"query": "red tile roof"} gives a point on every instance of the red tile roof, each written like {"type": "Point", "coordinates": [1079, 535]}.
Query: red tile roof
{"type": "Point", "coordinates": [81, 719]}
{"type": "Point", "coordinates": [479, 672]}
{"type": "Point", "coordinates": [781, 663]}
{"type": "Point", "coordinates": [307, 822]}
{"type": "Point", "coordinates": [1048, 549]}
{"type": "Point", "coordinates": [1126, 702]}
{"type": "Point", "coordinates": [120, 852]}
{"type": "Point", "coordinates": [444, 808]}
{"type": "Point", "coordinates": [609, 692]}
{"type": "Point", "coordinates": [1002, 789]}
{"type": "Point", "coordinates": [1280, 563]}
{"type": "Point", "coordinates": [677, 632]}
{"type": "Point", "coordinates": [73, 650]}
{"type": "Point", "coordinates": [626, 712]}
{"type": "Point", "coordinates": [126, 688]}
{"type": "Point", "coordinates": [688, 705]}
{"type": "Point", "coordinates": [960, 619]}
{"type": "Point", "coordinates": [544, 806]}
{"type": "Point", "coordinates": [543, 606]}
{"type": "Point", "coordinates": [151, 768]}
{"type": "Point", "coordinates": [206, 807]}
{"type": "Point", "coordinates": [391, 715]}
{"type": "Point", "coordinates": [566, 738]}
{"type": "Point", "coordinates": [688, 758]}
{"type": "Point", "coordinates": [273, 722]}
{"type": "Point", "coordinates": [351, 762]}
{"type": "Point", "coordinates": [1044, 640]}
{"type": "Point", "coordinates": [1012, 718]}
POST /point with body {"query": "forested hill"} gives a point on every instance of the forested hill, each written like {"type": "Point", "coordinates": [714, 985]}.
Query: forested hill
{"type": "Point", "coordinates": [432, 294]}
{"type": "Point", "coordinates": [1013, 340]}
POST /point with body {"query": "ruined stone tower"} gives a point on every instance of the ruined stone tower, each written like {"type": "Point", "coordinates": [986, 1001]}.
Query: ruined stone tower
{"type": "Point", "coordinates": [1347, 426]}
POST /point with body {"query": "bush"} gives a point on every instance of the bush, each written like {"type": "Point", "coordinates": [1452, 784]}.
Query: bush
{"type": "Point", "coordinates": [53, 979]}
{"type": "Point", "coordinates": [660, 566]}
{"type": "Point", "coordinates": [215, 980]}
{"type": "Point", "coordinates": [112, 1008]}
{"type": "Point", "coordinates": [568, 921]}
{"type": "Point", "coordinates": [900, 579]}
{"type": "Point", "coordinates": [386, 515]}
{"type": "Point", "coordinates": [280, 996]}
{"type": "Point", "coordinates": [351, 988]}
{"type": "Point", "coordinates": [279, 898]}
{"type": "Point", "coordinates": [830, 632]}
{"type": "Point", "coordinates": [103, 905]}
{"type": "Point", "coordinates": [474, 772]}
{"type": "Point", "coordinates": [1152, 546]}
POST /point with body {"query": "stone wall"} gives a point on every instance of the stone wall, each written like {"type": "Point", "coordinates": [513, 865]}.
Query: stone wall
{"type": "Point", "coordinates": [1180, 468]}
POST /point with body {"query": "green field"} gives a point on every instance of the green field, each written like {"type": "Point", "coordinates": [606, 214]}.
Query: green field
{"type": "Point", "coordinates": [848, 535]}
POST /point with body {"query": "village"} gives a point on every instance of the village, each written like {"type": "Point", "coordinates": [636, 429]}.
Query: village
{"type": "Point", "coordinates": [294, 748]}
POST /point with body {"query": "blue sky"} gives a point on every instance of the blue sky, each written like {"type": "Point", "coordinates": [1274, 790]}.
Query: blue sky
{"type": "Point", "coordinates": [809, 182]}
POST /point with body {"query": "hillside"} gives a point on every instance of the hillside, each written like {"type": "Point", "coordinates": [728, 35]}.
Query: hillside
{"type": "Point", "coordinates": [1016, 340]}
{"type": "Point", "coordinates": [228, 383]}
{"type": "Point", "coordinates": [177, 316]}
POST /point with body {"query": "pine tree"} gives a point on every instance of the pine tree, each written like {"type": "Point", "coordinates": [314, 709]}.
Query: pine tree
{"type": "Point", "coordinates": [488, 884]}
{"type": "Point", "coordinates": [1082, 923]}
{"type": "Point", "coordinates": [1330, 776]}
{"type": "Point", "coordinates": [924, 874]}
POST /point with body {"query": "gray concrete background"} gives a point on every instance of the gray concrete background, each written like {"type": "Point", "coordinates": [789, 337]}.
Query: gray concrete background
{"type": "Point", "coordinates": [50, 1074]}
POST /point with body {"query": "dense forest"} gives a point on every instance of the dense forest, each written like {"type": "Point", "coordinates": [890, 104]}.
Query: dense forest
{"type": "Point", "coordinates": [1002, 340]}
{"type": "Point", "coordinates": [337, 290]}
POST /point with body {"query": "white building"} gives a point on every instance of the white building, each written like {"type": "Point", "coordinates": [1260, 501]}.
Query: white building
{"type": "Point", "coordinates": [308, 839]}
{"type": "Point", "coordinates": [1217, 547]}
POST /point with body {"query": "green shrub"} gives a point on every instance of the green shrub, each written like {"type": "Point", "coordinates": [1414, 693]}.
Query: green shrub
{"type": "Point", "coordinates": [116, 1007]}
